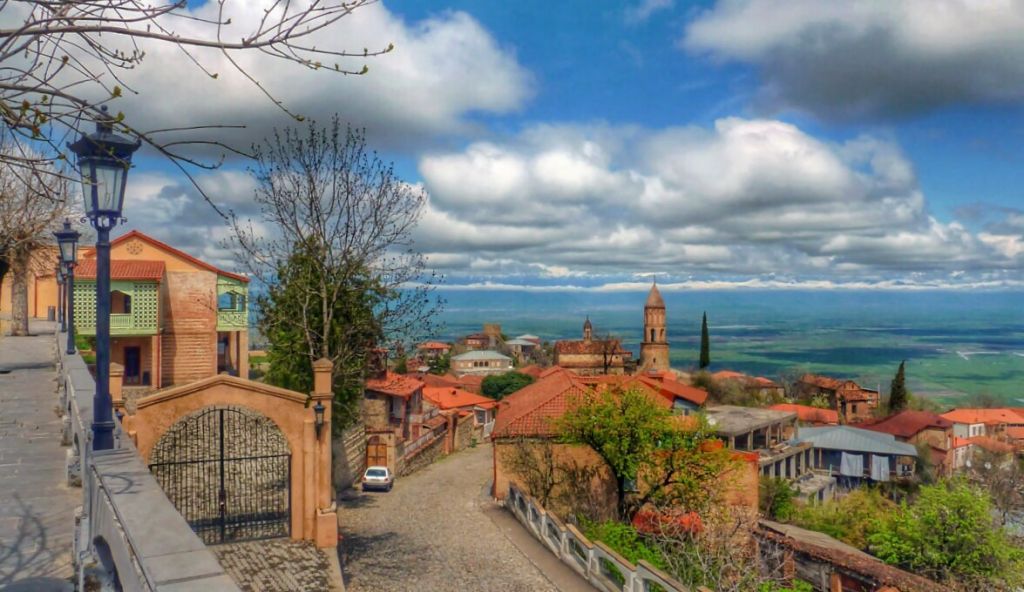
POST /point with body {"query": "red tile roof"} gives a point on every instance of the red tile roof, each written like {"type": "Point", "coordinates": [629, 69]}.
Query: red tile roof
{"type": "Point", "coordinates": [396, 385]}
{"type": "Point", "coordinates": [532, 410]}
{"type": "Point", "coordinates": [179, 253]}
{"type": "Point", "coordinates": [467, 383]}
{"type": "Point", "coordinates": [597, 347]}
{"type": "Point", "coordinates": [122, 270]}
{"type": "Point", "coordinates": [531, 370]}
{"type": "Point", "coordinates": [908, 423]}
{"type": "Point", "coordinates": [453, 398]}
{"type": "Point", "coordinates": [985, 416]}
{"type": "Point", "coordinates": [1015, 433]}
{"type": "Point", "coordinates": [434, 345]}
{"type": "Point", "coordinates": [809, 414]}
{"type": "Point", "coordinates": [672, 389]}
{"type": "Point", "coordinates": [991, 444]}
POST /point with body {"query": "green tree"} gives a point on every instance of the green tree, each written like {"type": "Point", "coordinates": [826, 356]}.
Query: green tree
{"type": "Point", "coordinates": [500, 386]}
{"type": "Point", "coordinates": [441, 364]}
{"type": "Point", "coordinates": [705, 343]}
{"type": "Point", "coordinates": [898, 398]}
{"type": "Point", "coordinates": [402, 365]}
{"type": "Point", "coordinates": [776, 498]}
{"type": "Point", "coordinates": [643, 444]}
{"type": "Point", "coordinates": [851, 518]}
{"type": "Point", "coordinates": [332, 246]}
{"type": "Point", "coordinates": [948, 534]}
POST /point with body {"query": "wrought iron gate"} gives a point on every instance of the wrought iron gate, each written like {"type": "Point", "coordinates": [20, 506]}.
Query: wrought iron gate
{"type": "Point", "coordinates": [228, 472]}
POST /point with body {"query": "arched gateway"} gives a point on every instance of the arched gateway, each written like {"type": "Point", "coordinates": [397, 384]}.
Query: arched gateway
{"type": "Point", "coordinates": [243, 460]}
{"type": "Point", "coordinates": [227, 471]}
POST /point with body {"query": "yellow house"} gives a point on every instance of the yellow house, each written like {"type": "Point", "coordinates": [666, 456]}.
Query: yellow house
{"type": "Point", "coordinates": [174, 319]}
{"type": "Point", "coordinates": [42, 285]}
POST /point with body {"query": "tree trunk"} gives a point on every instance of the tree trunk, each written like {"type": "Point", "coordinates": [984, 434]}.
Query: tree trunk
{"type": "Point", "coordinates": [620, 493]}
{"type": "Point", "coordinates": [19, 263]}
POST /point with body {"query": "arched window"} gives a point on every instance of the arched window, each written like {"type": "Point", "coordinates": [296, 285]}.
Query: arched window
{"type": "Point", "coordinates": [652, 334]}
{"type": "Point", "coordinates": [120, 303]}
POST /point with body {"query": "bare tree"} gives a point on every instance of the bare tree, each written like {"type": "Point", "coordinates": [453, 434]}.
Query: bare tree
{"type": "Point", "coordinates": [1002, 474]}
{"type": "Point", "coordinates": [561, 483]}
{"type": "Point", "coordinates": [31, 207]}
{"type": "Point", "coordinates": [332, 244]}
{"type": "Point", "coordinates": [61, 61]}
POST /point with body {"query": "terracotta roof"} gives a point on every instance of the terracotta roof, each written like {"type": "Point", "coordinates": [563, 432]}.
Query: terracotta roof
{"type": "Point", "coordinates": [959, 442]}
{"type": "Point", "coordinates": [809, 414]}
{"type": "Point", "coordinates": [991, 444]}
{"type": "Point", "coordinates": [122, 270]}
{"type": "Point", "coordinates": [396, 385]}
{"type": "Point", "coordinates": [595, 347]}
{"type": "Point", "coordinates": [166, 247]}
{"type": "Point", "coordinates": [531, 410]}
{"type": "Point", "coordinates": [467, 383]}
{"type": "Point", "coordinates": [672, 389]}
{"type": "Point", "coordinates": [908, 423]}
{"type": "Point", "coordinates": [453, 398]}
{"type": "Point", "coordinates": [1015, 433]}
{"type": "Point", "coordinates": [433, 345]}
{"type": "Point", "coordinates": [985, 416]}
{"type": "Point", "coordinates": [531, 370]}
{"type": "Point", "coordinates": [739, 376]}
{"type": "Point", "coordinates": [654, 299]}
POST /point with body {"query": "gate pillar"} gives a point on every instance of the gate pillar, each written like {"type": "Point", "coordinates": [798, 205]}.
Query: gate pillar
{"type": "Point", "coordinates": [325, 518]}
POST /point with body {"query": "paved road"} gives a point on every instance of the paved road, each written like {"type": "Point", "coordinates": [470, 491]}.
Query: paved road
{"type": "Point", "coordinates": [438, 530]}
{"type": "Point", "coordinates": [36, 507]}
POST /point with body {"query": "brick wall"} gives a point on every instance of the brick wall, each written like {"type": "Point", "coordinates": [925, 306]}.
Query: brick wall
{"type": "Point", "coordinates": [188, 300]}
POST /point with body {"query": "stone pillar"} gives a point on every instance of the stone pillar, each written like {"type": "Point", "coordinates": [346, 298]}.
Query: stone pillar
{"type": "Point", "coordinates": [117, 385]}
{"type": "Point", "coordinates": [326, 519]}
{"type": "Point", "coordinates": [243, 354]}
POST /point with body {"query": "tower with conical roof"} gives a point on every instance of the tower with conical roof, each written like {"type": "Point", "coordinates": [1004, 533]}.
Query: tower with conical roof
{"type": "Point", "coordinates": [654, 346]}
{"type": "Point", "coordinates": [588, 330]}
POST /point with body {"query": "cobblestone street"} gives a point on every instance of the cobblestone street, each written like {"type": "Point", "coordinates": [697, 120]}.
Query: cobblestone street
{"type": "Point", "coordinates": [434, 532]}
{"type": "Point", "coordinates": [275, 565]}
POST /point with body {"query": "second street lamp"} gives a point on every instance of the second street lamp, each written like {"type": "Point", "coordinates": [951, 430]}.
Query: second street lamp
{"type": "Point", "coordinates": [104, 158]}
{"type": "Point", "coordinates": [67, 240]}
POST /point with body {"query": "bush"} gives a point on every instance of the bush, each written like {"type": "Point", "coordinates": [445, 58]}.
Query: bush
{"type": "Point", "coordinates": [624, 540]}
{"type": "Point", "coordinates": [776, 498]}
{"type": "Point", "coordinates": [502, 385]}
{"type": "Point", "coordinates": [850, 519]}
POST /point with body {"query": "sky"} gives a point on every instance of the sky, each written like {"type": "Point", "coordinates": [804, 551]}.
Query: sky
{"type": "Point", "coordinates": [729, 143]}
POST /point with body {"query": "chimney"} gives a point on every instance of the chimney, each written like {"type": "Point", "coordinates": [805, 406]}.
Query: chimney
{"type": "Point", "coordinates": [378, 363]}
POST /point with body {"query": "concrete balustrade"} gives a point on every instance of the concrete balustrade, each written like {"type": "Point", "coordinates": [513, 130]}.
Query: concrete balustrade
{"type": "Point", "coordinates": [595, 561]}
{"type": "Point", "coordinates": [128, 535]}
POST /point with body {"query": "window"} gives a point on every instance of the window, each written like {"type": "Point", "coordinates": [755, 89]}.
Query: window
{"type": "Point", "coordinates": [230, 301]}
{"type": "Point", "coordinates": [652, 334]}
{"type": "Point", "coordinates": [120, 303]}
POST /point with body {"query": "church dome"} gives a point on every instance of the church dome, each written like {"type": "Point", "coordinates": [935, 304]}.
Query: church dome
{"type": "Point", "coordinates": [654, 299]}
{"type": "Point", "coordinates": [587, 325]}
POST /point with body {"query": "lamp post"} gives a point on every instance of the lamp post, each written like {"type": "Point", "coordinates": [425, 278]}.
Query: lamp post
{"type": "Point", "coordinates": [318, 421]}
{"type": "Point", "coordinates": [67, 240]}
{"type": "Point", "coordinates": [104, 158]}
{"type": "Point", "coordinates": [58, 273]}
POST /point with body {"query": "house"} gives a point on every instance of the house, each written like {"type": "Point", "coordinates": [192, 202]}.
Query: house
{"type": "Point", "coordinates": [475, 341]}
{"type": "Point", "coordinates": [521, 349]}
{"type": "Point", "coordinates": [531, 338]}
{"type": "Point", "coordinates": [589, 356]}
{"type": "Point", "coordinates": [853, 402]}
{"type": "Point", "coordinates": [924, 428]}
{"type": "Point", "coordinates": [449, 399]}
{"type": "Point", "coordinates": [856, 455]}
{"type": "Point", "coordinates": [481, 362]}
{"type": "Point", "coordinates": [968, 423]}
{"type": "Point", "coordinates": [466, 382]}
{"type": "Point", "coordinates": [807, 415]}
{"type": "Point", "coordinates": [766, 388]}
{"type": "Point", "coordinates": [398, 425]}
{"type": "Point", "coordinates": [40, 283]}
{"type": "Point", "coordinates": [174, 319]}
{"type": "Point", "coordinates": [530, 414]}
{"type": "Point", "coordinates": [432, 350]}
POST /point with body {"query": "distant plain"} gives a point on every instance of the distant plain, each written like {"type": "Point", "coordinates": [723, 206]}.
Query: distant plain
{"type": "Point", "coordinates": [956, 343]}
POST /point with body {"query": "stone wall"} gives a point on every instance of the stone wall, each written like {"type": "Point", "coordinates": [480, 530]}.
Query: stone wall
{"type": "Point", "coordinates": [375, 411]}
{"type": "Point", "coordinates": [422, 457]}
{"type": "Point", "coordinates": [349, 457]}
{"type": "Point", "coordinates": [464, 432]}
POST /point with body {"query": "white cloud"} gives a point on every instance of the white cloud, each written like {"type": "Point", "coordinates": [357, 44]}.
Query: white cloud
{"type": "Point", "coordinates": [443, 70]}
{"type": "Point", "coordinates": [863, 58]}
{"type": "Point", "coordinates": [747, 196]}
{"type": "Point", "coordinates": [642, 11]}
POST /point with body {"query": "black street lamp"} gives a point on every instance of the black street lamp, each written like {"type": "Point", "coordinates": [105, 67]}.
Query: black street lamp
{"type": "Point", "coordinates": [318, 421]}
{"type": "Point", "coordinates": [58, 274]}
{"type": "Point", "coordinates": [104, 158]}
{"type": "Point", "coordinates": [67, 240]}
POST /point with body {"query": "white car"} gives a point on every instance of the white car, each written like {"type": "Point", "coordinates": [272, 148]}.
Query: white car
{"type": "Point", "coordinates": [378, 478]}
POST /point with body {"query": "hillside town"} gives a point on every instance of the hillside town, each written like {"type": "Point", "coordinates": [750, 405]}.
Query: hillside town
{"type": "Point", "coordinates": [649, 296]}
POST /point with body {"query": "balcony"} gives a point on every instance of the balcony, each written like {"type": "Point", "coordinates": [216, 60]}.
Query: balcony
{"type": "Point", "coordinates": [232, 320]}
{"type": "Point", "coordinates": [135, 308]}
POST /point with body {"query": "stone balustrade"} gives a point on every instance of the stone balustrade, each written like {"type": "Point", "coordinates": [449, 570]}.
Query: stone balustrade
{"type": "Point", "coordinates": [128, 535]}
{"type": "Point", "coordinates": [595, 561]}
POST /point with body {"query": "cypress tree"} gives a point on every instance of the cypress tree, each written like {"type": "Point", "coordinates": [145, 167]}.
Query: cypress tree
{"type": "Point", "coordinates": [898, 391]}
{"type": "Point", "coordinates": [705, 343]}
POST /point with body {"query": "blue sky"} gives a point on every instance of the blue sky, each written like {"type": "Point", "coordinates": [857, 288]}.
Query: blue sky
{"type": "Point", "coordinates": [730, 142]}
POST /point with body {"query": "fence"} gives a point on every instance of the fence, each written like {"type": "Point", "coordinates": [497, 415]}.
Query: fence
{"type": "Point", "coordinates": [129, 536]}
{"type": "Point", "coordinates": [595, 561]}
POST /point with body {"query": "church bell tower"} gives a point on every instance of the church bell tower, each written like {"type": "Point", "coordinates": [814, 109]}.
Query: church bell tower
{"type": "Point", "coordinates": [654, 346]}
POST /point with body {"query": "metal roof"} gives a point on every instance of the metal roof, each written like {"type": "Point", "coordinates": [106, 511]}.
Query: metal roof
{"type": "Point", "coordinates": [483, 354]}
{"type": "Point", "coordinates": [521, 342]}
{"type": "Point", "coordinates": [854, 440]}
